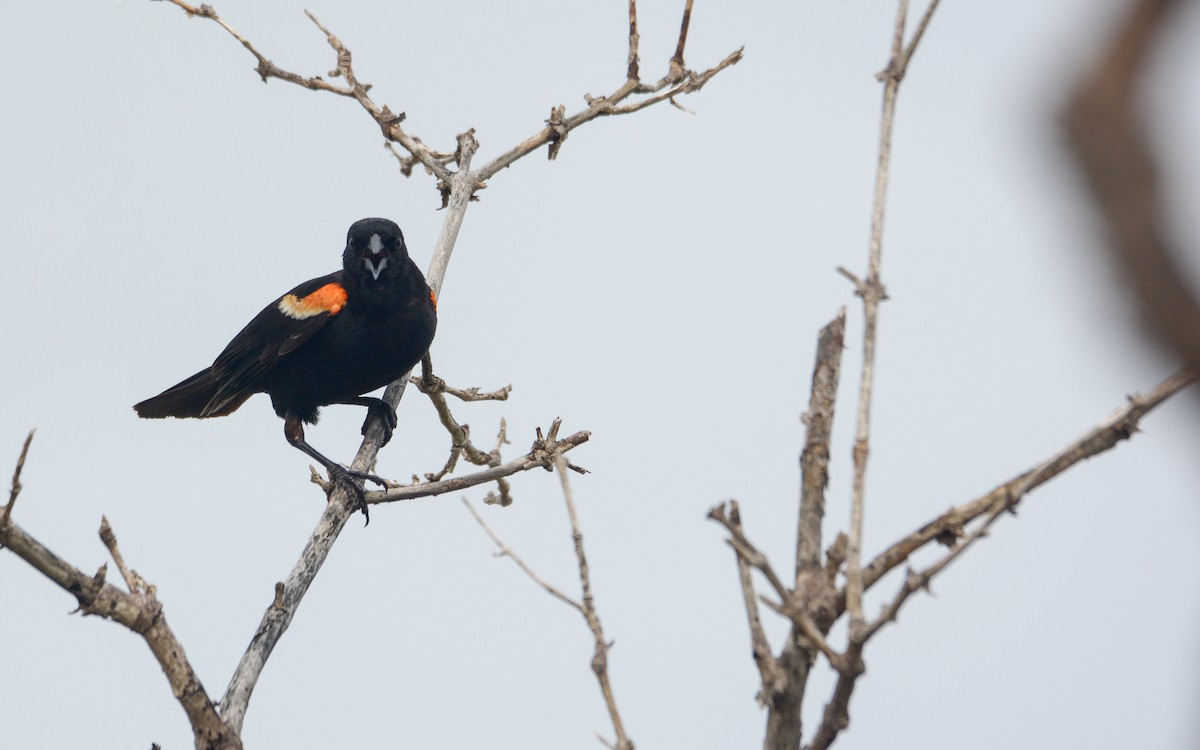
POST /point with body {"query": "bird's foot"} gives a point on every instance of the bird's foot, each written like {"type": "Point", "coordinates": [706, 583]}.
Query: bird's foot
{"type": "Point", "coordinates": [386, 414]}
{"type": "Point", "coordinates": [352, 482]}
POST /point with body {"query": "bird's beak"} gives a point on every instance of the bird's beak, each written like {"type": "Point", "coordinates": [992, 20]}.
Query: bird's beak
{"type": "Point", "coordinates": [375, 257]}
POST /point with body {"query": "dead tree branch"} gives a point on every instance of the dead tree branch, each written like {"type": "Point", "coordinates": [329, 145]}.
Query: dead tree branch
{"type": "Point", "coordinates": [16, 483]}
{"type": "Point", "coordinates": [585, 607]}
{"type": "Point", "coordinates": [810, 604]}
{"type": "Point", "coordinates": [950, 526]}
{"type": "Point", "coordinates": [137, 609]}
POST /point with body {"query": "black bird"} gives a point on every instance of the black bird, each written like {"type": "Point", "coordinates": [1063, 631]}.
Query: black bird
{"type": "Point", "coordinates": [328, 341]}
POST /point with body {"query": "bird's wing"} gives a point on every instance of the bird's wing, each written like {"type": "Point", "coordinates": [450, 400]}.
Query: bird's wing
{"type": "Point", "coordinates": [281, 328]}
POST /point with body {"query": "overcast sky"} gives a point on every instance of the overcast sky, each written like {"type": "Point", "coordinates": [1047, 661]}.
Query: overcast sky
{"type": "Point", "coordinates": [661, 285]}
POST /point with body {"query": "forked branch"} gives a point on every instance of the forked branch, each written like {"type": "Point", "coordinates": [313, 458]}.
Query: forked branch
{"type": "Point", "coordinates": [586, 606]}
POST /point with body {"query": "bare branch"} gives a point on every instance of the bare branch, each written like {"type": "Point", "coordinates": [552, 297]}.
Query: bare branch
{"type": "Point", "coordinates": [586, 607]}
{"type": "Point", "coordinates": [16, 482]}
{"type": "Point", "coordinates": [460, 435]}
{"type": "Point", "coordinates": [139, 611]}
{"type": "Point", "coordinates": [764, 659]}
{"type": "Point", "coordinates": [677, 71]}
{"type": "Point", "coordinates": [559, 124]}
{"type": "Point", "coordinates": [543, 454]}
{"type": "Point", "coordinates": [872, 292]}
{"type": "Point", "coordinates": [1121, 425]}
{"type": "Point", "coordinates": [389, 122]}
{"type": "Point", "coordinates": [506, 551]}
{"type": "Point", "coordinates": [915, 581]}
{"type": "Point", "coordinates": [600, 655]}
{"type": "Point", "coordinates": [631, 65]}
{"type": "Point", "coordinates": [911, 49]}
{"type": "Point", "coordinates": [814, 460]}
{"type": "Point", "coordinates": [132, 579]}
{"type": "Point", "coordinates": [743, 546]}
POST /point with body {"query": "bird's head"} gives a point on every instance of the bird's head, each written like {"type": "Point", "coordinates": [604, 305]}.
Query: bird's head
{"type": "Point", "coordinates": [375, 246]}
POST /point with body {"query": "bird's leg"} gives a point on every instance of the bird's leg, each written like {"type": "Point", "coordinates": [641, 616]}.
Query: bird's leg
{"type": "Point", "coordinates": [381, 410]}
{"type": "Point", "coordinates": [293, 430]}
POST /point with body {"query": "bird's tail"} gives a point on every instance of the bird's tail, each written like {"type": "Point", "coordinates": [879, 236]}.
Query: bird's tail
{"type": "Point", "coordinates": [191, 398]}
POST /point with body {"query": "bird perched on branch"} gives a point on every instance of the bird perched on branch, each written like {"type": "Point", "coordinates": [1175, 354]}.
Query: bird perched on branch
{"type": "Point", "coordinates": [328, 341]}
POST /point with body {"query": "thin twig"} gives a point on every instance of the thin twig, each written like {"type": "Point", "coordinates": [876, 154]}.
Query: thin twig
{"type": "Point", "coordinates": [873, 293]}
{"type": "Point", "coordinates": [16, 482]}
{"type": "Point", "coordinates": [542, 455]}
{"type": "Point", "coordinates": [1121, 425]}
{"type": "Point", "coordinates": [675, 83]}
{"type": "Point", "coordinates": [600, 655]}
{"type": "Point", "coordinates": [460, 434]}
{"type": "Point", "coordinates": [764, 659]}
{"type": "Point", "coordinates": [631, 64]}
{"type": "Point", "coordinates": [505, 551]}
{"type": "Point", "coordinates": [132, 579]}
{"type": "Point", "coordinates": [744, 547]}
{"type": "Point", "coordinates": [917, 36]}
{"type": "Point", "coordinates": [836, 716]}
{"type": "Point", "coordinates": [915, 581]}
{"type": "Point", "coordinates": [389, 122]}
{"type": "Point", "coordinates": [677, 70]}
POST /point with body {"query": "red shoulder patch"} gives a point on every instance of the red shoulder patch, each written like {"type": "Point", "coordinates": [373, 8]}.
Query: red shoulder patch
{"type": "Point", "coordinates": [330, 298]}
{"type": "Point", "coordinates": [433, 298]}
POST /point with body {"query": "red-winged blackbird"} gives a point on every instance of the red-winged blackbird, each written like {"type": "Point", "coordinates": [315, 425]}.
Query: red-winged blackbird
{"type": "Point", "coordinates": [328, 341]}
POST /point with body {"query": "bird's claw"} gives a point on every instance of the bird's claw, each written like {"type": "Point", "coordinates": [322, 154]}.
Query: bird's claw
{"type": "Point", "coordinates": [349, 480]}
{"type": "Point", "coordinates": [388, 420]}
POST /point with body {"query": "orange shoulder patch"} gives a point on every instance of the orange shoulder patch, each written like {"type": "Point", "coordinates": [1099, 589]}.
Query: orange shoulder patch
{"type": "Point", "coordinates": [330, 298]}
{"type": "Point", "coordinates": [433, 298]}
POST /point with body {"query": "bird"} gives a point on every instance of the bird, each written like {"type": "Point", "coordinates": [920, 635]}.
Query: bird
{"type": "Point", "coordinates": [328, 341]}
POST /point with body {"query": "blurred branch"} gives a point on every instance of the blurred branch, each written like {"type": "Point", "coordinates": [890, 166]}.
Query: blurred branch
{"type": "Point", "coordinates": [1105, 134]}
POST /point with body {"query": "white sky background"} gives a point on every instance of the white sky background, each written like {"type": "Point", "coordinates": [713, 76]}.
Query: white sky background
{"type": "Point", "coordinates": [660, 284]}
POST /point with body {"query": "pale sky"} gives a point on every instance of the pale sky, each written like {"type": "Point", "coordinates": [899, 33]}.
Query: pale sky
{"type": "Point", "coordinates": [660, 284]}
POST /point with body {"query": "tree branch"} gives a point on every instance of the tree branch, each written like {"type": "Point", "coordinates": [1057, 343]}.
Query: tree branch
{"type": "Point", "coordinates": [872, 292]}
{"type": "Point", "coordinates": [677, 81]}
{"type": "Point", "coordinates": [586, 607]}
{"type": "Point", "coordinates": [139, 611]}
{"type": "Point", "coordinates": [948, 527]}
{"type": "Point", "coordinates": [814, 459]}
{"type": "Point", "coordinates": [16, 483]}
